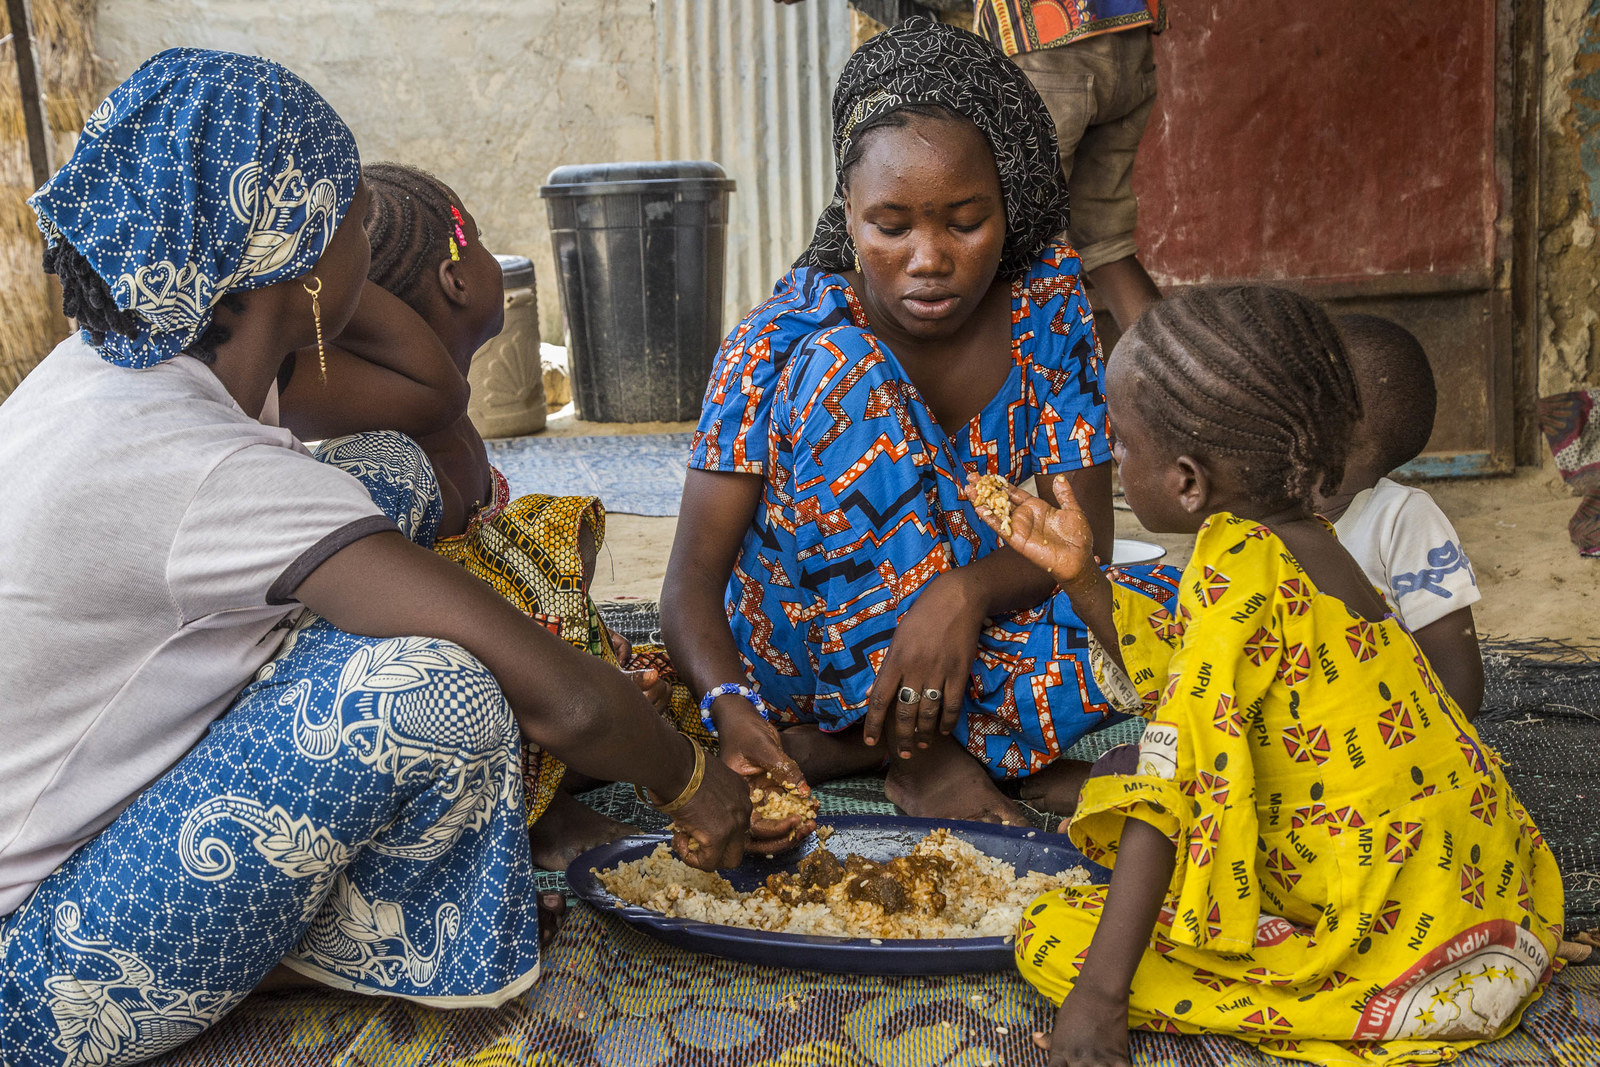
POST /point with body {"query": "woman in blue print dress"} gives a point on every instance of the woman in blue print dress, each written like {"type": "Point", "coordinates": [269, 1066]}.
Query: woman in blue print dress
{"type": "Point", "coordinates": [829, 576]}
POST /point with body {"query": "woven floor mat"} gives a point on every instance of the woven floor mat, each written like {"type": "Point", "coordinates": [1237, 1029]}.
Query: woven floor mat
{"type": "Point", "coordinates": [634, 474]}
{"type": "Point", "coordinates": [611, 997]}
{"type": "Point", "coordinates": [1541, 711]}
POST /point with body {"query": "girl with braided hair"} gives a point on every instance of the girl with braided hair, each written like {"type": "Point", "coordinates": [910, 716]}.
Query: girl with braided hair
{"type": "Point", "coordinates": [438, 293]}
{"type": "Point", "coordinates": [1313, 849]}
{"type": "Point", "coordinates": [444, 298]}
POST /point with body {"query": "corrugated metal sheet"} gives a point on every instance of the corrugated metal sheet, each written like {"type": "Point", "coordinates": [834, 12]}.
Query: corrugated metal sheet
{"type": "Point", "coordinates": [748, 83]}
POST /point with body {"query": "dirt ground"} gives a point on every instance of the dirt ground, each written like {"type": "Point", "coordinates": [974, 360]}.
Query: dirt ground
{"type": "Point", "coordinates": [1514, 530]}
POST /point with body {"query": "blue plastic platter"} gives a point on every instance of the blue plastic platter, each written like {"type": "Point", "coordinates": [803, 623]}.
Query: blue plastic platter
{"type": "Point", "coordinates": [877, 837]}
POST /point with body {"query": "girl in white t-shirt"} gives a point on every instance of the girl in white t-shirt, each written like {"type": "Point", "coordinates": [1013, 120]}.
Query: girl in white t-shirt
{"type": "Point", "coordinates": [1403, 541]}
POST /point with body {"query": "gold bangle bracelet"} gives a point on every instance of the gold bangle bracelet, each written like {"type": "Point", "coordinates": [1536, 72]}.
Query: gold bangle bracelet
{"type": "Point", "coordinates": [679, 802]}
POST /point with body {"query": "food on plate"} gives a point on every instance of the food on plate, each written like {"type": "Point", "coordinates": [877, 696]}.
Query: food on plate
{"type": "Point", "coordinates": [777, 804]}
{"type": "Point", "coordinates": [989, 491]}
{"type": "Point", "coordinates": [944, 888]}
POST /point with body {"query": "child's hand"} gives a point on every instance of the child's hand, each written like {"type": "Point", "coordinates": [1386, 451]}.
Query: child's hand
{"type": "Point", "coordinates": [656, 689]}
{"type": "Point", "coordinates": [1058, 540]}
{"type": "Point", "coordinates": [620, 645]}
{"type": "Point", "coordinates": [1088, 1033]}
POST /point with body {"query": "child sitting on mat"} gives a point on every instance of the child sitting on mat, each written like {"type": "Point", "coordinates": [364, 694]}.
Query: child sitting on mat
{"type": "Point", "coordinates": [1396, 532]}
{"type": "Point", "coordinates": [1312, 848]}
{"type": "Point", "coordinates": [430, 268]}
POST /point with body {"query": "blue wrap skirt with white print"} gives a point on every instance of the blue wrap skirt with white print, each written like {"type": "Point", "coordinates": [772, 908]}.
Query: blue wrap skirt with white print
{"type": "Point", "coordinates": [356, 815]}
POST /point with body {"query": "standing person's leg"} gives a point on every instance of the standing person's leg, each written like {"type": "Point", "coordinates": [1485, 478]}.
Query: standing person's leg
{"type": "Point", "coordinates": [1101, 92]}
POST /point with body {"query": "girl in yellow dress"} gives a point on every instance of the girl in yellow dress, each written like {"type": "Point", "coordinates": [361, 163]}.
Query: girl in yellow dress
{"type": "Point", "coordinates": [1312, 848]}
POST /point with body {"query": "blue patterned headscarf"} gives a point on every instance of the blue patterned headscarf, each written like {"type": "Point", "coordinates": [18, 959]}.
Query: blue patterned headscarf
{"type": "Point", "coordinates": [204, 173]}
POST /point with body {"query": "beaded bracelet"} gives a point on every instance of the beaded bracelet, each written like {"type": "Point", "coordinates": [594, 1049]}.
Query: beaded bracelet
{"type": "Point", "coordinates": [730, 689]}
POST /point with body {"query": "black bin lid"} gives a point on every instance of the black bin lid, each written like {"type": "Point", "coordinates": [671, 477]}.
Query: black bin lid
{"type": "Point", "coordinates": [516, 271]}
{"type": "Point", "coordinates": [592, 179]}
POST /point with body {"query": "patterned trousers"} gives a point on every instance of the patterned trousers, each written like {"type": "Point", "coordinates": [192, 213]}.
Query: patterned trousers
{"type": "Point", "coordinates": [356, 815]}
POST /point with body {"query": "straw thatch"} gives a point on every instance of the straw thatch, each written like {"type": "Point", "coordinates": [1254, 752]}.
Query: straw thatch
{"type": "Point", "coordinates": [30, 316]}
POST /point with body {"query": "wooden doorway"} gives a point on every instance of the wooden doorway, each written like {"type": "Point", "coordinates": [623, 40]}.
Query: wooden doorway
{"type": "Point", "coordinates": [1356, 153]}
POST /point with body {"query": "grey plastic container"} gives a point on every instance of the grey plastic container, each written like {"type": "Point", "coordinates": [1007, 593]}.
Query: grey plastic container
{"type": "Point", "coordinates": [507, 375]}
{"type": "Point", "coordinates": [640, 257]}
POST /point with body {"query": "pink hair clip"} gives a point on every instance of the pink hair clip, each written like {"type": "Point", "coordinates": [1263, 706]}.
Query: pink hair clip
{"type": "Point", "coordinates": [459, 240]}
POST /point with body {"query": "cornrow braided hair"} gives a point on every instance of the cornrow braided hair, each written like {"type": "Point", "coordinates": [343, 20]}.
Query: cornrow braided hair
{"type": "Point", "coordinates": [409, 226]}
{"type": "Point", "coordinates": [1251, 373]}
{"type": "Point", "coordinates": [87, 300]}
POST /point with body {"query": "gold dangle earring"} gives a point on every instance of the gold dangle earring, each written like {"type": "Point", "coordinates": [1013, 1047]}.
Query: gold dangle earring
{"type": "Point", "coordinates": [316, 317]}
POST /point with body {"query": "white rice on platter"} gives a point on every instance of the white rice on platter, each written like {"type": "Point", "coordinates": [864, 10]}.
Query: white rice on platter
{"type": "Point", "coordinates": [983, 897]}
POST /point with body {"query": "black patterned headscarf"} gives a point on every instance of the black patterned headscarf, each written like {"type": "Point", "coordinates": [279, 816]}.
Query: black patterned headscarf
{"type": "Point", "coordinates": [922, 61]}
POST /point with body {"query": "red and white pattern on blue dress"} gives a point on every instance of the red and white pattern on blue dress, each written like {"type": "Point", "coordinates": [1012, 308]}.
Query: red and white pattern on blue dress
{"type": "Point", "coordinates": [862, 506]}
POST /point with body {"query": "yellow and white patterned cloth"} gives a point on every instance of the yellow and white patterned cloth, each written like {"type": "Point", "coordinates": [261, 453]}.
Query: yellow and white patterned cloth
{"type": "Point", "coordinates": [1356, 882]}
{"type": "Point", "coordinates": [528, 550]}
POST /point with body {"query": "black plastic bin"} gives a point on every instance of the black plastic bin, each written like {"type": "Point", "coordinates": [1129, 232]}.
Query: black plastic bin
{"type": "Point", "coordinates": [640, 250]}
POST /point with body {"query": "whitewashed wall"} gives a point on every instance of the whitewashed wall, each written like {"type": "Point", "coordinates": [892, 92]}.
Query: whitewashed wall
{"type": "Point", "coordinates": [490, 95]}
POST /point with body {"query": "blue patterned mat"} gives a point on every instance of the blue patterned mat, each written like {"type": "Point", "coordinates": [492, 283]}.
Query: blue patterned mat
{"type": "Point", "coordinates": [612, 997]}
{"type": "Point", "coordinates": [632, 475]}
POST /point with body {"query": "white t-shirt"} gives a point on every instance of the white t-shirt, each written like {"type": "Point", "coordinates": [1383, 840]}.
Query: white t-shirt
{"type": "Point", "coordinates": [151, 538]}
{"type": "Point", "coordinates": [1409, 551]}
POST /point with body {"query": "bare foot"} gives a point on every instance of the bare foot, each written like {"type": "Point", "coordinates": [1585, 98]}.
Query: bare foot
{"type": "Point", "coordinates": [943, 781]}
{"type": "Point", "coordinates": [569, 828]}
{"type": "Point", "coordinates": [1055, 788]}
{"type": "Point", "coordinates": [823, 757]}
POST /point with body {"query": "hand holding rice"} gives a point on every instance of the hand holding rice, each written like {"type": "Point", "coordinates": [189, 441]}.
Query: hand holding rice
{"type": "Point", "coordinates": [989, 491]}
{"type": "Point", "coordinates": [777, 803]}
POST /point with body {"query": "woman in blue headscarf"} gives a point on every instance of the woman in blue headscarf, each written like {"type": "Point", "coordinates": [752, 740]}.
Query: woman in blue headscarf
{"type": "Point", "coordinates": [201, 780]}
